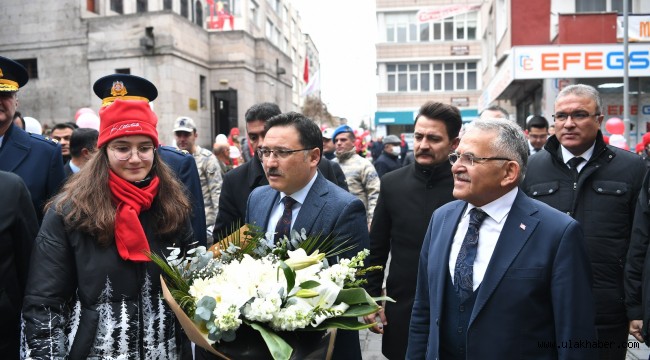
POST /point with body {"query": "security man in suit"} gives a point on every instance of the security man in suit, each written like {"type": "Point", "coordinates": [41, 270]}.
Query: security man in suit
{"type": "Point", "coordinates": [131, 87]}
{"type": "Point", "coordinates": [35, 159]}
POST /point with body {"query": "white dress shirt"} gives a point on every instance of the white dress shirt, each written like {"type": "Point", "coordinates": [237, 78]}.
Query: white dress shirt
{"type": "Point", "coordinates": [278, 207]}
{"type": "Point", "coordinates": [567, 155]}
{"type": "Point", "coordinates": [489, 233]}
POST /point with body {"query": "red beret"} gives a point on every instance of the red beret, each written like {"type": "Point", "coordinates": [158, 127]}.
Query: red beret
{"type": "Point", "coordinates": [126, 118]}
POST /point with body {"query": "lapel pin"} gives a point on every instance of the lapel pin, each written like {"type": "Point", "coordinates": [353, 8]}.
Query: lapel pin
{"type": "Point", "coordinates": [522, 226]}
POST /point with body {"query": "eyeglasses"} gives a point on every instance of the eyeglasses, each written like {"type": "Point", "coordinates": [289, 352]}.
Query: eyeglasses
{"type": "Point", "coordinates": [124, 153]}
{"type": "Point", "coordinates": [576, 115]}
{"type": "Point", "coordinates": [279, 153]}
{"type": "Point", "coordinates": [469, 159]}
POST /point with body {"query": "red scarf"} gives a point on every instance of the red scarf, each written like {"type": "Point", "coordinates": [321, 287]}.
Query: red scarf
{"type": "Point", "coordinates": [130, 239]}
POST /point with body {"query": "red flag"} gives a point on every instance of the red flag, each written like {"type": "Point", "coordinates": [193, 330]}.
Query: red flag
{"type": "Point", "coordinates": [306, 74]}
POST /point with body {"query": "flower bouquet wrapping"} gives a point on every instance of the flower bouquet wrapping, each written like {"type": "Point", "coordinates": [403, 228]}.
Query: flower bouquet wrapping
{"type": "Point", "coordinates": [248, 288]}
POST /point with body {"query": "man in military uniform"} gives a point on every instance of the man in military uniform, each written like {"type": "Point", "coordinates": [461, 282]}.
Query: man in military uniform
{"type": "Point", "coordinates": [36, 160]}
{"type": "Point", "coordinates": [208, 166]}
{"type": "Point", "coordinates": [131, 87]}
{"type": "Point", "coordinates": [360, 174]}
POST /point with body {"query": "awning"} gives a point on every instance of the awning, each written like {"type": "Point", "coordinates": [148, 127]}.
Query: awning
{"type": "Point", "coordinates": [408, 117]}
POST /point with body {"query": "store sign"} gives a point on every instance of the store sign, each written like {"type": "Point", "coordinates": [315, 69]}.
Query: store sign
{"type": "Point", "coordinates": [638, 25]}
{"type": "Point", "coordinates": [579, 61]}
{"type": "Point", "coordinates": [462, 101]}
{"type": "Point", "coordinates": [441, 12]}
{"type": "Point", "coordinates": [460, 49]}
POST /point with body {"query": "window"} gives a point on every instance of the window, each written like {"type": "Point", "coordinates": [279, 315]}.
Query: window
{"type": "Point", "coordinates": [253, 11]}
{"type": "Point", "coordinates": [92, 6]}
{"type": "Point", "coordinates": [141, 6]}
{"type": "Point", "coordinates": [126, 71]}
{"type": "Point", "coordinates": [602, 5]}
{"type": "Point", "coordinates": [31, 65]}
{"type": "Point", "coordinates": [117, 6]}
{"type": "Point", "coordinates": [404, 27]}
{"type": "Point", "coordinates": [199, 13]}
{"type": "Point", "coordinates": [269, 29]}
{"type": "Point", "coordinates": [202, 91]}
{"type": "Point", "coordinates": [167, 4]}
{"type": "Point", "coordinates": [425, 77]}
{"type": "Point", "coordinates": [184, 9]}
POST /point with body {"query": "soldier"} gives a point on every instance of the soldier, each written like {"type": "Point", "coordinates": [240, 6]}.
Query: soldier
{"type": "Point", "coordinates": [206, 163]}
{"type": "Point", "coordinates": [360, 175]}
{"type": "Point", "coordinates": [36, 160]}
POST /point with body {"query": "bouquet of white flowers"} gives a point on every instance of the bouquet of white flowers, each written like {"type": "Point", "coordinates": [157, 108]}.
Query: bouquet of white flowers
{"type": "Point", "coordinates": [248, 280]}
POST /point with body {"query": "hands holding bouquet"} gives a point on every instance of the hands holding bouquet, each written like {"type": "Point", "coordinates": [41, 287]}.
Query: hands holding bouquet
{"type": "Point", "coordinates": [248, 280]}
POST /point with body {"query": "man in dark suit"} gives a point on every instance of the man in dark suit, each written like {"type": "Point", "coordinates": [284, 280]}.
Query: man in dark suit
{"type": "Point", "coordinates": [407, 198]}
{"type": "Point", "coordinates": [83, 144]}
{"type": "Point", "coordinates": [36, 160]}
{"type": "Point", "coordinates": [239, 182]}
{"type": "Point", "coordinates": [290, 154]}
{"type": "Point", "coordinates": [18, 229]}
{"type": "Point", "coordinates": [501, 276]}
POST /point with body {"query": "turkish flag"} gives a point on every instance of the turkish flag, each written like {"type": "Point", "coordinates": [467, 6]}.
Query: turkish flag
{"type": "Point", "coordinates": [306, 74]}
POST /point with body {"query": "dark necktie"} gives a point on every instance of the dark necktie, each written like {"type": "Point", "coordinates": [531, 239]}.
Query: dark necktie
{"type": "Point", "coordinates": [573, 163]}
{"type": "Point", "coordinates": [464, 269]}
{"type": "Point", "coordinates": [283, 227]}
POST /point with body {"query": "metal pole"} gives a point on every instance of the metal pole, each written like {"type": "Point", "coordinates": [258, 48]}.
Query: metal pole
{"type": "Point", "coordinates": [626, 80]}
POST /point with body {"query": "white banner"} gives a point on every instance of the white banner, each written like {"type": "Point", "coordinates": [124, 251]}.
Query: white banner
{"type": "Point", "coordinates": [579, 61]}
{"type": "Point", "coordinates": [441, 12]}
{"type": "Point", "coordinates": [638, 25]}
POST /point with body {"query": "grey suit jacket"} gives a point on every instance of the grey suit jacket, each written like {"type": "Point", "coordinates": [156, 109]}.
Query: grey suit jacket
{"type": "Point", "coordinates": [327, 210]}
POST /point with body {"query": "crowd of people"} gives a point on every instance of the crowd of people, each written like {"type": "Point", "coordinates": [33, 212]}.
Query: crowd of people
{"type": "Point", "coordinates": [497, 241]}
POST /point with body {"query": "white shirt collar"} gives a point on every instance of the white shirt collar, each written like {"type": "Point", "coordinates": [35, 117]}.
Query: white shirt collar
{"type": "Point", "coordinates": [75, 169]}
{"type": "Point", "coordinates": [499, 208]}
{"type": "Point", "coordinates": [567, 155]}
{"type": "Point", "coordinates": [301, 194]}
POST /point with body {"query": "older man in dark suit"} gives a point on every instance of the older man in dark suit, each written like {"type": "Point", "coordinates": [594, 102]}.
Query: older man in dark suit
{"type": "Point", "coordinates": [299, 197]}
{"type": "Point", "coordinates": [501, 276]}
{"type": "Point", "coordinates": [36, 160]}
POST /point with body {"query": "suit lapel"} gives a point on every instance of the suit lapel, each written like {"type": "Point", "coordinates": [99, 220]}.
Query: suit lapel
{"type": "Point", "coordinates": [516, 232]}
{"type": "Point", "coordinates": [447, 231]}
{"type": "Point", "coordinates": [14, 149]}
{"type": "Point", "coordinates": [313, 205]}
{"type": "Point", "coordinates": [265, 206]}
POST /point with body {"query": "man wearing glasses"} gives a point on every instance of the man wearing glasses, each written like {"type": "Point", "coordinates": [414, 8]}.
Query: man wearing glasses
{"type": "Point", "coordinates": [299, 197]}
{"type": "Point", "coordinates": [537, 133]}
{"type": "Point", "coordinates": [598, 185]}
{"type": "Point", "coordinates": [501, 276]}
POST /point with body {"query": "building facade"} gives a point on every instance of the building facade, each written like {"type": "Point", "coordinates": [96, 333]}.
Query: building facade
{"type": "Point", "coordinates": [426, 50]}
{"type": "Point", "coordinates": [535, 48]}
{"type": "Point", "coordinates": [211, 60]}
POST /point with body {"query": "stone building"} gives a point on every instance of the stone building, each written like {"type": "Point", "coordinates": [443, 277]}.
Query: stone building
{"type": "Point", "coordinates": [210, 60]}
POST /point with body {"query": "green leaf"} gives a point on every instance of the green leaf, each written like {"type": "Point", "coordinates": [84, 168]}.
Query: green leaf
{"type": "Point", "coordinates": [309, 284]}
{"type": "Point", "coordinates": [279, 348]}
{"type": "Point", "coordinates": [355, 296]}
{"type": "Point", "coordinates": [289, 274]}
{"type": "Point", "coordinates": [360, 310]}
{"type": "Point", "coordinates": [343, 323]}
{"type": "Point", "coordinates": [384, 298]}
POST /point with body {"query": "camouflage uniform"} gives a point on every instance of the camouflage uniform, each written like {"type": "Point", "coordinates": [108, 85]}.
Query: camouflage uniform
{"type": "Point", "coordinates": [362, 180]}
{"type": "Point", "coordinates": [211, 180]}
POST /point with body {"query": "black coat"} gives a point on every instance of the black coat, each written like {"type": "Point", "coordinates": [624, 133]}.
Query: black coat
{"type": "Point", "coordinates": [240, 182]}
{"type": "Point", "coordinates": [83, 291]}
{"type": "Point", "coordinates": [603, 201]}
{"type": "Point", "coordinates": [407, 198]}
{"type": "Point", "coordinates": [18, 228]}
{"type": "Point", "coordinates": [386, 163]}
